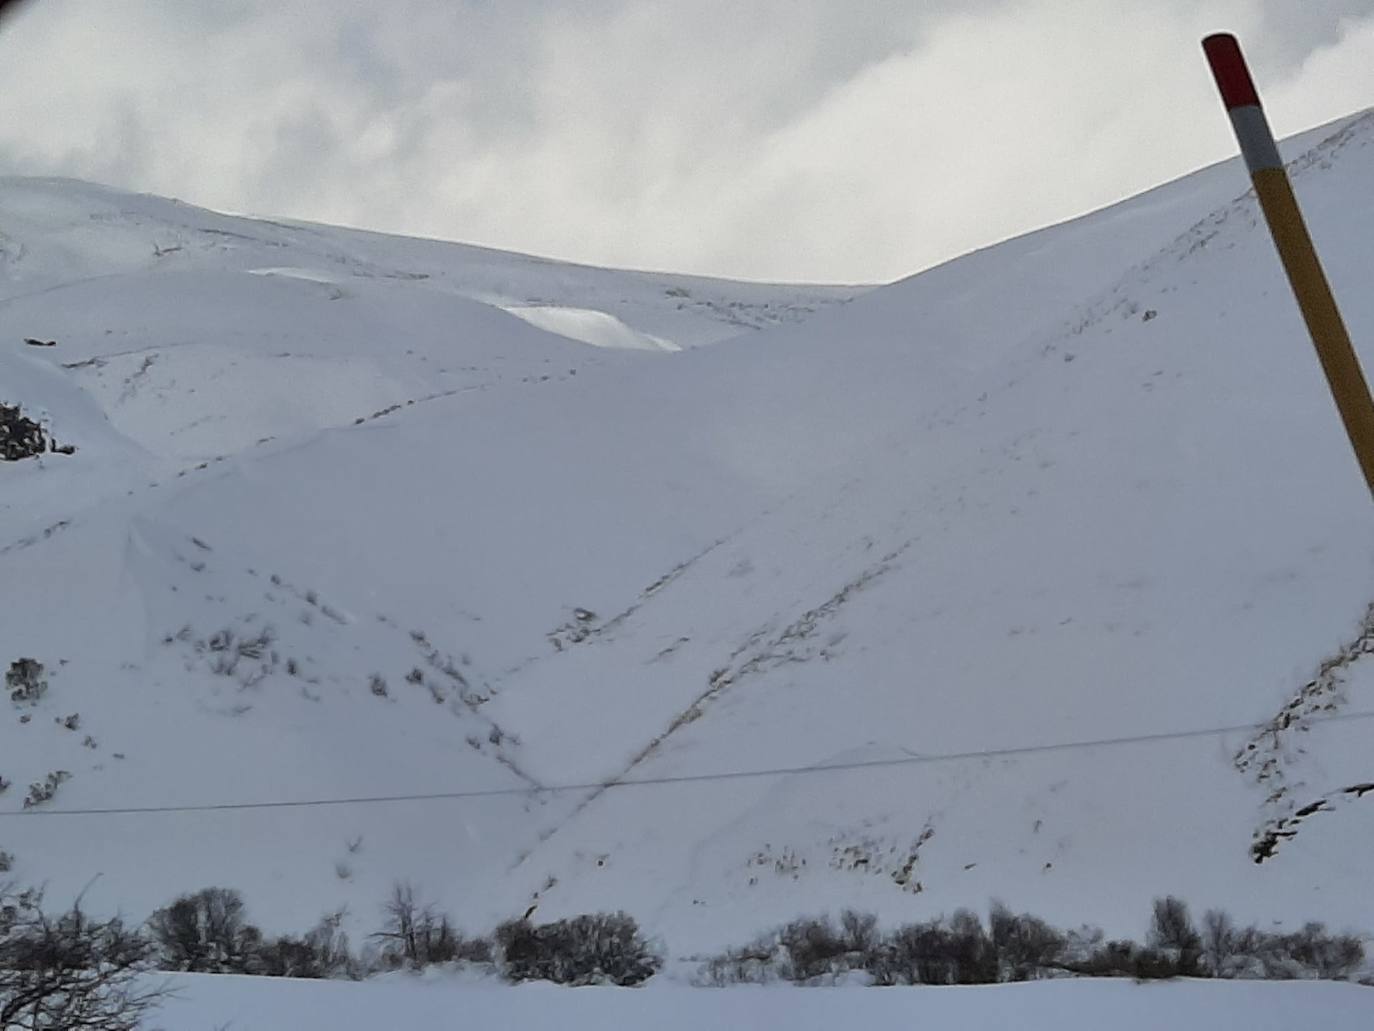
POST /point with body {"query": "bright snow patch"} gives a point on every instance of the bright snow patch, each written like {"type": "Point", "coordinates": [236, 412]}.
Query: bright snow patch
{"type": "Point", "coordinates": [591, 327]}
{"type": "Point", "coordinates": [310, 275]}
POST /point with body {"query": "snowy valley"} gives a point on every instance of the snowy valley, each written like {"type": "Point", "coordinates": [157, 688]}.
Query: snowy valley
{"type": "Point", "coordinates": [1044, 575]}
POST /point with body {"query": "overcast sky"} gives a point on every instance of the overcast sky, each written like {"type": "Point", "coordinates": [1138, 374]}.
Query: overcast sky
{"type": "Point", "coordinates": [840, 140]}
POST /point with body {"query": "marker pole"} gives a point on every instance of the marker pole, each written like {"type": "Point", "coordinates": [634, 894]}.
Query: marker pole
{"type": "Point", "coordinates": [1294, 244]}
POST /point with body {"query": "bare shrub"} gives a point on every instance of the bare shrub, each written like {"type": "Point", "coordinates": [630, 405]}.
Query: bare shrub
{"type": "Point", "coordinates": [70, 972]}
{"type": "Point", "coordinates": [26, 681]}
{"type": "Point", "coordinates": [1220, 942]}
{"type": "Point", "coordinates": [859, 932]}
{"type": "Point", "coordinates": [1311, 952]}
{"type": "Point", "coordinates": [755, 963]}
{"type": "Point", "coordinates": [242, 655]}
{"type": "Point", "coordinates": [803, 950]}
{"type": "Point", "coordinates": [416, 934]}
{"type": "Point", "coordinates": [1124, 958]}
{"type": "Point", "coordinates": [1231, 951]}
{"type": "Point", "coordinates": [971, 950]}
{"type": "Point", "coordinates": [20, 437]}
{"type": "Point", "coordinates": [46, 789]}
{"type": "Point", "coordinates": [206, 932]}
{"type": "Point", "coordinates": [288, 957]}
{"type": "Point", "coordinates": [331, 946]}
{"type": "Point", "coordinates": [323, 952]}
{"type": "Point", "coordinates": [812, 948]}
{"type": "Point", "coordinates": [1173, 948]}
{"type": "Point", "coordinates": [1023, 947]}
{"type": "Point", "coordinates": [596, 948]}
{"type": "Point", "coordinates": [1100, 958]}
{"type": "Point", "coordinates": [916, 954]}
{"type": "Point", "coordinates": [1173, 935]}
{"type": "Point", "coordinates": [957, 951]}
{"type": "Point", "coordinates": [1026, 946]}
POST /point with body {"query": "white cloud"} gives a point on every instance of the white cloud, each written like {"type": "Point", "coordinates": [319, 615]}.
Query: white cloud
{"type": "Point", "coordinates": [776, 139]}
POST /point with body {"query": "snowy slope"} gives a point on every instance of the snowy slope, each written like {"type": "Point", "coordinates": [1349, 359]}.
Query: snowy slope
{"type": "Point", "coordinates": [199, 335]}
{"type": "Point", "coordinates": [1082, 486]}
{"type": "Point", "coordinates": [194, 346]}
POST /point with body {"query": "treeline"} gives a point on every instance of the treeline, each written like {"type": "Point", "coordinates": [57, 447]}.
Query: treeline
{"type": "Point", "coordinates": [208, 932]}
{"type": "Point", "coordinates": [71, 971]}
{"type": "Point", "coordinates": [964, 950]}
{"type": "Point", "coordinates": [76, 972]}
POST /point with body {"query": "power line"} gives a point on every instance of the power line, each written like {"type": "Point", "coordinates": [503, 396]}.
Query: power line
{"type": "Point", "coordinates": [686, 778]}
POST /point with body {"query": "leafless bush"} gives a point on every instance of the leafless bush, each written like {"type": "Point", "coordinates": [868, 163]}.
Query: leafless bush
{"type": "Point", "coordinates": [245, 654]}
{"type": "Point", "coordinates": [416, 934]}
{"type": "Point", "coordinates": [1123, 958]}
{"type": "Point", "coordinates": [1224, 949]}
{"type": "Point", "coordinates": [755, 963]}
{"type": "Point", "coordinates": [1025, 945]}
{"type": "Point", "coordinates": [596, 948]}
{"type": "Point", "coordinates": [1311, 952]}
{"type": "Point", "coordinates": [323, 952]}
{"type": "Point", "coordinates": [953, 951]}
{"type": "Point", "coordinates": [206, 932]}
{"type": "Point", "coordinates": [46, 789]}
{"type": "Point", "coordinates": [859, 931]}
{"type": "Point", "coordinates": [26, 681]}
{"type": "Point", "coordinates": [1172, 933]}
{"type": "Point", "coordinates": [812, 948]}
{"type": "Point", "coordinates": [804, 950]}
{"type": "Point", "coordinates": [70, 972]}
{"type": "Point", "coordinates": [1219, 941]}
{"type": "Point", "coordinates": [957, 951]}
{"type": "Point", "coordinates": [20, 437]}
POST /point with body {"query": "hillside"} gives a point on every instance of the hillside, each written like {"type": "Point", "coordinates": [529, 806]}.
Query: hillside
{"type": "Point", "coordinates": [347, 521]}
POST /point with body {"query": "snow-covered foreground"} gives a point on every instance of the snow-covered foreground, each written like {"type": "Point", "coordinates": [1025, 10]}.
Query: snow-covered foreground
{"type": "Point", "coordinates": [411, 1004]}
{"type": "Point", "coordinates": [389, 559]}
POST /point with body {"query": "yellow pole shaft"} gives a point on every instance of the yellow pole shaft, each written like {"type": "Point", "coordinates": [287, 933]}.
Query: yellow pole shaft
{"type": "Point", "coordinates": [1319, 311]}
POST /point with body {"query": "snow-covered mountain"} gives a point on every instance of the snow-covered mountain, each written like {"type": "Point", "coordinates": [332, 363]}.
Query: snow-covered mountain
{"type": "Point", "coordinates": [975, 576]}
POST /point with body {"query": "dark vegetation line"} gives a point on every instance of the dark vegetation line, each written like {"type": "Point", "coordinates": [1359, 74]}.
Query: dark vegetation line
{"type": "Point", "coordinates": [962, 949]}
{"type": "Point", "coordinates": [69, 970]}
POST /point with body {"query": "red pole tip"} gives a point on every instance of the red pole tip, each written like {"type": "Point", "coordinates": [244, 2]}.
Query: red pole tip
{"type": "Point", "coordinates": [1228, 68]}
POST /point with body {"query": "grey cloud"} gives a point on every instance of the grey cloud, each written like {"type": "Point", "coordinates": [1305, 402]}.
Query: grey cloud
{"type": "Point", "coordinates": [1294, 30]}
{"type": "Point", "coordinates": [779, 138]}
